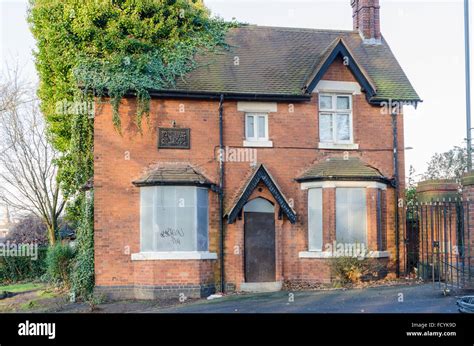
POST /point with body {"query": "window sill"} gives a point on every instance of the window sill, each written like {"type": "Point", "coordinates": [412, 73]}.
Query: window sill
{"type": "Point", "coordinates": [338, 146]}
{"type": "Point", "coordinates": [174, 255]}
{"type": "Point", "coordinates": [379, 254]}
{"type": "Point", "coordinates": [260, 144]}
{"type": "Point", "coordinates": [315, 254]}
{"type": "Point", "coordinates": [328, 254]}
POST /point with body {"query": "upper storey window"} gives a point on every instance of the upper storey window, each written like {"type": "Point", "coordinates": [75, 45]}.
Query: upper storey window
{"type": "Point", "coordinates": [335, 118]}
{"type": "Point", "coordinates": [256, 126]}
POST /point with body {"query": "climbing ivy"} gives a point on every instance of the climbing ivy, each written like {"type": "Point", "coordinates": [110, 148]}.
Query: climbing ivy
{"type": "Point", "coordinates": [89, 50]}
{"type": "Point", "coordinates": [114, 47]}
{"type": "Point", "coordinates": [154, 69]}
{"type": "Point", "coordinates": [82, 277]}
{"type": "Point", "coordinates": [77, 165]}
{"type": "Point", "coordinates": [110, 48]}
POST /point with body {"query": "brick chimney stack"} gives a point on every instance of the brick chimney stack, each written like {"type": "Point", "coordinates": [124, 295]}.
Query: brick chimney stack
{"type": "Point", "coordinates": [366, 19]}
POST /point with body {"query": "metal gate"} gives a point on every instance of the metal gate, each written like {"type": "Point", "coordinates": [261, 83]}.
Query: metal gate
{"type": "Point", "coordinates": [437, 243]}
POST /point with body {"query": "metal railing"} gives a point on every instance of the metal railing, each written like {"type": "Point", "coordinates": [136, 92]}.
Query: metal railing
{"type": "Point", "coordinates": [438, 244]}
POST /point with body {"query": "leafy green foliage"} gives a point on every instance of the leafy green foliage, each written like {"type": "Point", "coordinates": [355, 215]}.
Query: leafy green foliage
{"type": "Point", "coordinates": [115, 47]}
{"type": "Point", "coordinates": [110, 48]}
{"type": "Point", "coordinates": [20, 268]}
{"type": "Point", "coordinates": [59, 263]}
{"type": "Point", "coordinates": [83, 273]}
{"type": "Point", "coordinates": [77, 167]}
{"type": "Point", "coordinates": [154, 67]}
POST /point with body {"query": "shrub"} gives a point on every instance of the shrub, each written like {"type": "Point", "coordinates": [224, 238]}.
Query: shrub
{"type": "Point", "coordinates": [59, 263]}
{"type": "Point", "coordinates": [349, 270]}
{"type": "Point", "coordinates": [17, 268]}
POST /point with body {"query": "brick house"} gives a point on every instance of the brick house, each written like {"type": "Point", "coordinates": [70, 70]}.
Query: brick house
{"type": "Point", "coordinates": [255, 166]}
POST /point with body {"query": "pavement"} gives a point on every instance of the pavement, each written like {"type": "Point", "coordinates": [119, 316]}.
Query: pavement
{"type": "Point", "coordinates": [423, 298]}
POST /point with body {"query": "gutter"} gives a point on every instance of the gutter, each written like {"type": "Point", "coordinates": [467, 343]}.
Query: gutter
{"type": "Point", "coordinates": [228, 96]}
{"type": "Point", "coordinates": [174, 183]}
{"type": "Point", "coordinates": [390, 102]}
{"type": "Point", "coordinates": [221, 191]}
{"type": "Point", "coordinates": [373, 100]}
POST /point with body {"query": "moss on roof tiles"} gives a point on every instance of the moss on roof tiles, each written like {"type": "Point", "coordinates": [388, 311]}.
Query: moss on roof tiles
{"type": "Point", "coordinates": [274, 60]}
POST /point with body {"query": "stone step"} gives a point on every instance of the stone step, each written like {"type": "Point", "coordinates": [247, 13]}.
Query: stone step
{"type": "Point", "coordinates": [261, 286]}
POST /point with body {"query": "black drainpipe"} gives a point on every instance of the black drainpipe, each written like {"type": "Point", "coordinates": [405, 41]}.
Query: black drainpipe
{"type": "Point", "coordinates": [397, 190]}
{"type": "Point", "coordinates": [221, 190]}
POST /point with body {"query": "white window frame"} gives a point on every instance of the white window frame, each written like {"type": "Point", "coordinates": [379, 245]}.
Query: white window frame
{"type": "Point", "coordinates": [256, 115]}
{"type": "Point", "coordinates": [334, 112]}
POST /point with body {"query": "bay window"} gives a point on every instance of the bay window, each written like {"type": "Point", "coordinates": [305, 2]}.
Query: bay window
{"type": "Point", "coordinates": [173, 218]}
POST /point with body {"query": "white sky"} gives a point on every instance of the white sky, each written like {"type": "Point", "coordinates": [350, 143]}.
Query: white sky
{"type": "Point", "coordinates": [427, 37]}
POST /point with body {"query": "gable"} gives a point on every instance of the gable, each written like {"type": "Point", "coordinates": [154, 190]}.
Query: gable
{"type": "Point", "coordinates": [338, 78]}
{"type": "Point", "coordinates": [338, 51]}
{"type": "Point", "coordinates": [337, 71]}
{"type": "Point", "coordinates": [261, 175]}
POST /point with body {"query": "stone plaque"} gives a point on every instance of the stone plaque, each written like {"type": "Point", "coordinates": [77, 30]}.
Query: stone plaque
{"type": "Point", "coordinates": [173, 138]}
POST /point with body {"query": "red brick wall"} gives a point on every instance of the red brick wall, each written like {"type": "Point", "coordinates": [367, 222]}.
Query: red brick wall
{"type": "Point", "coordinates": [295, 140]}
{"type": "Point", "coordinates": [117, 209]}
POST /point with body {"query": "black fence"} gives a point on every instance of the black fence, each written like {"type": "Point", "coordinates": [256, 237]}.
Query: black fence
{"type": "Point", "coordinates": [437, 242]}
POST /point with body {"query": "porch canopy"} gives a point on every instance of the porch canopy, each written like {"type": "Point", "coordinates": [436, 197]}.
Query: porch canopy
{"type": "Point", "coordinates": [260, 174]}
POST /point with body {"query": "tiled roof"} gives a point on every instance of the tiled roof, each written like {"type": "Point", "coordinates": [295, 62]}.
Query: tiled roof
{"type": "Point", "coordinates": [339, 168]}
{"type": "Point", "coordinates": [279, 61]}
{"type": "Point", "coordinates": [172, 174]}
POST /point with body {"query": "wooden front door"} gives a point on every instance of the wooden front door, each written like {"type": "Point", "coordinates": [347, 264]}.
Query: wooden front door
{"type": "Point", "coordinates": [259, 234]}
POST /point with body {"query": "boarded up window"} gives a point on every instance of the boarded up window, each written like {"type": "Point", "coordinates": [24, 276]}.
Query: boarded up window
{"type": "Point", "coordinates": [351, 216]}
{"type": "Point", "coordinates": [315, 220]}
{"type": "Point", "coordinates": [174, 218]}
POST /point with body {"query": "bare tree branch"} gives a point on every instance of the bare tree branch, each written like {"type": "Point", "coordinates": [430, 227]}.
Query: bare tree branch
{"type": "Point", "coordinates": [27, 171]}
